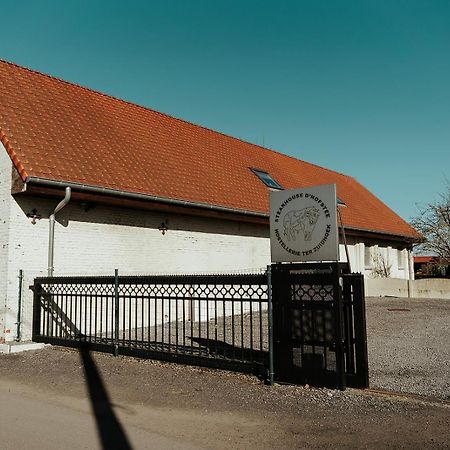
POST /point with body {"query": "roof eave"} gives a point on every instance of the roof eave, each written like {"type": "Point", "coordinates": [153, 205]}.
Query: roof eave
{"type": "Point", "coordinates": [98, 190]}
{"type": "Point", "coordinates": [109, 192]}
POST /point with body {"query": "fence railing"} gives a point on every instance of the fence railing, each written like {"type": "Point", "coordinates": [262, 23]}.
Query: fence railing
{"type": "Point", "coordinates": [217, 320]}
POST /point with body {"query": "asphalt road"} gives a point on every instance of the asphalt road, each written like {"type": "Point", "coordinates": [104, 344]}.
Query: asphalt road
{"type": "Point", "coordinates": [37, 420]}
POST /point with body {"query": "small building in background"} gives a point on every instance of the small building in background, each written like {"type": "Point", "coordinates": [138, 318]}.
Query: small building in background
{"type": "Point", "coordinates": [430, 267]}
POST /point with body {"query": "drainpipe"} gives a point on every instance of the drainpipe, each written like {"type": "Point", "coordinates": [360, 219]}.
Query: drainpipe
{"type": "Point", "coordinates": [51, 231]}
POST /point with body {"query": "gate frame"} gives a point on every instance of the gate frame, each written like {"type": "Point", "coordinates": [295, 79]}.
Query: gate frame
{"type": "Point", "coordinates": [349, 331]}
{"type": "Point", "coordinates": [40, 297]}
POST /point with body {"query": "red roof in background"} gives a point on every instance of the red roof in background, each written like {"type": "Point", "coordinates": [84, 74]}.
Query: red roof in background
{"type": "Point", "coordinates": [425, 259]}
{"type": "Point", "coordinates": [60, 131]}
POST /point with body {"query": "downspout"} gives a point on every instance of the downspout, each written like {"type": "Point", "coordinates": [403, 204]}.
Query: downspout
{"type": "Point", "coordinates": [51, 231]}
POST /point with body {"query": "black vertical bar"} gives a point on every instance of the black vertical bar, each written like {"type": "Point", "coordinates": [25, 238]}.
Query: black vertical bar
{"type": "Point", "coordinates": [242, 329]}
{"type": "Point", "coordinates": [90, 316]}
{"type": "Point", "coordinates": [192, 317]}
{"type": "Point", "coordinates": [340, 363]}
{"type": "Point", "coordinates": [49, 309]}
{"type": "Point", "coordinates": [63, 314]}
{"type": "Point", "coordinates": [224, 328]}
{"type": "Point", "coordinates": [270, 320]}
{"type": "Point", "coordinates": [66, 313]}
{"type": "Point", "coordinates": [324, 330]}
{"type": "Point", "coordinates": [55, 315]}
{"type": "Point", "coordinates": [199, 315]}
{"type": "Point", "coordinates": [176, 323]}
{"type": "Point", "coordinates": [149, 324]}
{"type": "Point", "coordinates": [184, 323]}
{"type": "Point", "coordinates": [215, 326]}
{"type": "Point", "coordinates": [80, 306]}
{"type": "Point", "coordinates": [71, 317]}
{"type": "Point", "coordinates": [130, 315]}
{"type": "Point", "coordinates": [37, 307]}
{"type": "Point", "coordinates": [359, 304]}
{"type": "Point", "coordinates": [260, 326]}
{"type": "Point", "coordinates": [162, 321]}
{"type": "Point", "coordinates": [101, 316]}
{"type": "Point", "coordinates": [116, 312]}
{"type": "Point", "coordinates": [207, 322]}
{"type": "Point", "coordinates": [232, 329]}
{"type": "Point", "coordinates": [95, 314]}
{"type": "Point", "coordinates": [85, 316]}
{"type": "Point", "coordinates": [251, 327]}
{"type": "Point", "coordinates": [142, 318]}
{"type": "Point", "coordinates": [124, 319]}
{"type": "Point", "coordinates": [348, 302]}
{"type": "Point", "coordinates": [156, 320]}
{"type": "Point", "coordinates": [170, 321]}
{"type": "Point", "coordinates": [106, 318]}
{"type": "Point", "coordinates": [75, 315]}
{"type": "Point", "coordinates": [135, 317]}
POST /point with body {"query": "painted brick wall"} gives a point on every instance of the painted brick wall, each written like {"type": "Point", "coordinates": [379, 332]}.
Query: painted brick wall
{"type": "Point", "coordinates": [103, 238]}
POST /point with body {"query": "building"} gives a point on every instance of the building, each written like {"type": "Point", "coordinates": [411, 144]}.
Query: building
{"type": "Point", "coordinates": [150, 193]}
{"type": "Point", "coordinates": [431, 267]}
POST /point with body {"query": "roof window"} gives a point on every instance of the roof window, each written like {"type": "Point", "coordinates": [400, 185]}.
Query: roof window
{"type": "Point", "coordinates": [267, 179]}
{"type": "Point", "coordinates": [340, 202]}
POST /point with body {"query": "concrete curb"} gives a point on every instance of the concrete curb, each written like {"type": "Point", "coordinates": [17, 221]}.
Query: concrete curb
{"type": "Point", "coordinates": [17, 347]}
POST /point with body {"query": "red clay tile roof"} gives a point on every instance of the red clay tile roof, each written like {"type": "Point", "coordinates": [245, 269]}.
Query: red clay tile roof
{"type": "Point", "coordinates": [60, 131]}
{"type": "Point", "coordinates": [425, 259]}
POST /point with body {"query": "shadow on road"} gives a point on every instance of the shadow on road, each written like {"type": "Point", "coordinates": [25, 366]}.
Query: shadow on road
{"type": "Point", "coordinates": [111, 432]}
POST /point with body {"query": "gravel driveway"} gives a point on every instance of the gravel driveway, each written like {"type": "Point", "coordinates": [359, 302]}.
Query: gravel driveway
{"type": "Point", "coordinates": [409, 345]}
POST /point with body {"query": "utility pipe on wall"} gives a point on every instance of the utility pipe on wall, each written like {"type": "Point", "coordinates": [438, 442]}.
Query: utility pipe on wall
{"type": "Point", "coordinates": [51, 231]}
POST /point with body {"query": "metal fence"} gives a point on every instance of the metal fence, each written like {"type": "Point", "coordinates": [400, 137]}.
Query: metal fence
{"type": "Point", "coordinates": [214, 320]}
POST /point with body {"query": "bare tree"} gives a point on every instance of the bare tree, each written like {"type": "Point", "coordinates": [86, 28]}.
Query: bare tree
{"type": "Point", "coordinates": [433, 221]}
{"type": "Point", "coordinates": [381, 268]}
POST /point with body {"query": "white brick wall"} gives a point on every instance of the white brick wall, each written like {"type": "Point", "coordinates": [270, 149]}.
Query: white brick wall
{"type": "Point", "coordinates": [103, 238]}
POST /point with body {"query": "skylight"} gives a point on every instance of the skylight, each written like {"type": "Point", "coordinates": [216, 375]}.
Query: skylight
{"type": "Point", "coordinates": [267, 179]}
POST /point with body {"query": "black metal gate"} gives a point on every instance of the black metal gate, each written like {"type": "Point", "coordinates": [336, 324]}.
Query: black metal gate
{"type": "Point", "coordinates": [319, 330]}
{"type": "Point", "coordinates": [210, 320]}
{"type": "Point", "coordinates": [319, 325]}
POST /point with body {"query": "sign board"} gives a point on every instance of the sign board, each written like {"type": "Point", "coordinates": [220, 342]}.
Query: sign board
{"type": "Point", "coordinates": [303, 224]}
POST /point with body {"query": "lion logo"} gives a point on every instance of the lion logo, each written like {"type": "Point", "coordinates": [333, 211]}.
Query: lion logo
{"type": "Point", "coordinates": [303, 220]}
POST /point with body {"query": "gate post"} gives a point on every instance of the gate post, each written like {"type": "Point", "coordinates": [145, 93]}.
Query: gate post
{"type": "Point", "coordinates": [270, 317]}
{"type": "Point", "coordinates": [362, 363]}
{"type": "Point", "coordinates": [338, 325]}
{"type": "Point", "coordinates": [36, 326]}
{"type": "Point", "coordinates": [116, 312]}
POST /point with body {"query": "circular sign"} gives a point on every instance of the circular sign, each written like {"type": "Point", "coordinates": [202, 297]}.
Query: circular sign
{"type": "Point", "coordinates": [304, 225]}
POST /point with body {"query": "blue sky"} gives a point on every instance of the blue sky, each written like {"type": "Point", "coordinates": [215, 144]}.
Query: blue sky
{"type": "Point", "coordinates": [361, 87]}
